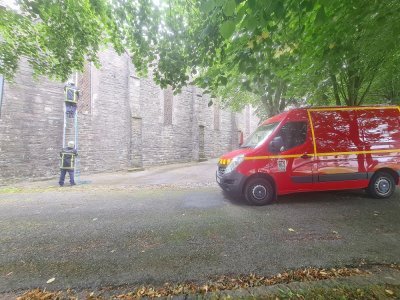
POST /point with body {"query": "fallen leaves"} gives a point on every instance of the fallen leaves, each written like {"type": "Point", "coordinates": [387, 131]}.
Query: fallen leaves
{"type": "Point", "coordinates": [221, 283]}
{"type": "Point", "coordinates": [395, 266]}
{"type": "Point", "coordinates": [38, 294]}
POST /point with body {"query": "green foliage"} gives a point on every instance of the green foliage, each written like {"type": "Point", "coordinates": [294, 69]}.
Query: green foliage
{"type": "Point", "coordinates": [345, 47]}
{"type": "Point", "coordinates": [265, 52]}
{"type": "Point", "coordinates": [53, 36]}
{"type": "Point", "coordinates": [57, 37]}
{"type": "Point", "coordinates": [137, 23]}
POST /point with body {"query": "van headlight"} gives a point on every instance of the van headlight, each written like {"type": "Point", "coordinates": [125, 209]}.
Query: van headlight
{"type": "Point", "coordinates": [235, 162]}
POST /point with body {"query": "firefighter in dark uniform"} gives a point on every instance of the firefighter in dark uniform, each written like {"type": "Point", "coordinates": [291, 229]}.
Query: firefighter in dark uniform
{"type": "Point", "coordinates": [71, 99]}
{"type": "Point", "coordinates": [68, 156]}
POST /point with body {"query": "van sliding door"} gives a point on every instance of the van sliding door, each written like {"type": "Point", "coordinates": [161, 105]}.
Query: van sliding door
{"type": "Point", "coordinates": [339, 147]}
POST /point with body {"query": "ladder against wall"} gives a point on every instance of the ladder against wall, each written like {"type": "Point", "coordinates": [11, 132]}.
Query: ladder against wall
{"type": "Point", "coordinates": [70, 126]}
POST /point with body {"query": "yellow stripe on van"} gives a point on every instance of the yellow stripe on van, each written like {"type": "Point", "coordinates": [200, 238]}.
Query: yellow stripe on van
{"type": "Point", "coordinates": [359, 152]}
{"type": "Point", "coordinates": [273, 156]}
{"type": "Point", "coordinates": [312, 132]}
{"type": "Point", "coordinates": [323, 154]}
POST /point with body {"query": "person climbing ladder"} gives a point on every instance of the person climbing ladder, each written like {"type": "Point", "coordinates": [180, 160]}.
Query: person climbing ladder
{"type": "Point", "coordinates": [71, 99]}
{"type": "Point", "coordinates": [69, 159]}
{"type": "Point", "coordinates": [68, 156]}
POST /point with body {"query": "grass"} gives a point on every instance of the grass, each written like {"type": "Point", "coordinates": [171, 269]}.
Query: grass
{"type": "Point", "coordinates": [10, 190]}
{"type": "Point", "coordinates": [15, 190]}
{"type": "Point", "coordinates": [339, 293]}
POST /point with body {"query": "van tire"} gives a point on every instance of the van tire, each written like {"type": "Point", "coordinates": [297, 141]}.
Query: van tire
{"type": "Point", "coordinates": [382, 185]}
{"type": "Point", "coordinates": [259, 191]}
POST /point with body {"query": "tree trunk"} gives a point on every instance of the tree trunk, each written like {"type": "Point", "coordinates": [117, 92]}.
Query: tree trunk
{"type": "Point", "coordinates": [274, 101]}
{"type": "Point", "coordinates": [335, 89]}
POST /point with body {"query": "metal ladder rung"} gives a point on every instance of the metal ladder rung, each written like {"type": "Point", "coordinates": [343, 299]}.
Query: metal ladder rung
{"type": "Point", "coordinates": [75, 132]}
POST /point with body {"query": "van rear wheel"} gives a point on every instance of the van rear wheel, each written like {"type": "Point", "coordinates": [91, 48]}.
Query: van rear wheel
{"type": "Point", "coordinates": [382, 185]}
{"type": "Point", "coordinates": [259, 191]}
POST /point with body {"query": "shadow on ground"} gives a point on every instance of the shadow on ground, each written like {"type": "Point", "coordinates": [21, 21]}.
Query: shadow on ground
{"type": "Point", "coordinates": [311, 197]}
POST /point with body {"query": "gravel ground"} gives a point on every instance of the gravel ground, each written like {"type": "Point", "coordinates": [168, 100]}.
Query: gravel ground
{"type": "Point", "coordinates": [172, 224]}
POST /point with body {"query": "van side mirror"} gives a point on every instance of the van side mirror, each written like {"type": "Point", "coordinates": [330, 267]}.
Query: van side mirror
{"type": "Point", "coordinates": [276, 144]}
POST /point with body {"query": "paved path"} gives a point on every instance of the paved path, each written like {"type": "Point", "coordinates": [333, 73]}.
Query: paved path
{"type": "Point", "coordinates": [174, 224]}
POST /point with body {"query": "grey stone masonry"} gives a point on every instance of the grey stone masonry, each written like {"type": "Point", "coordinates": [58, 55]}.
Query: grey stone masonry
{"type": "Point", "coordinates": [30, 127]}
{"type": "Point", "coordinates": [123, 123]}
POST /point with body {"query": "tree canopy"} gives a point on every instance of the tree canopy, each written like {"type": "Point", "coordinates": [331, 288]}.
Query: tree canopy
{"type": "Point", "coordinates": [269, 53]}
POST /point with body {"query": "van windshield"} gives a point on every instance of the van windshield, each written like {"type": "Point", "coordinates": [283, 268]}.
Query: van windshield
{"type": "Point", "coordinates": [259, 136]}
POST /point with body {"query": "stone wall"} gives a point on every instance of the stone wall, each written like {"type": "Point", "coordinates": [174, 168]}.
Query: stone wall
{"type": "Point", "coordinates": [30, 127]}
{"type": "Point", "coordinates": [123, 122]}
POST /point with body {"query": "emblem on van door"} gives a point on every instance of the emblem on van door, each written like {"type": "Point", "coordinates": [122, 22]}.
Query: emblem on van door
{"type": "Point", "coordinates": [282, 165]}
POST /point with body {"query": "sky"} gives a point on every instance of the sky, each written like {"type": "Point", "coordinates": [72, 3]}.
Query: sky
{"type": "Point", "coordinates": [8, 3]}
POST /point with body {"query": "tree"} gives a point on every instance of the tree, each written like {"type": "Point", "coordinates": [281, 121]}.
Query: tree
{"type": "Point", "coordinates": [336, 46]}
{"type": "Point", "coordinates": [279, 52]}
{"type": "Point", "coordinates": [324, 51]}
{"type": "Point", "coordinates": [58, 37]}
{"type": "Point", "coordinates": [346, 43]}
{"type": "Point", "coordinates": [387, 85]}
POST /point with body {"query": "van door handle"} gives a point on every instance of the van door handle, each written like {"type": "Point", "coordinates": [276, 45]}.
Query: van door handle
{"type": "Point", "coordinates": [305, 156]}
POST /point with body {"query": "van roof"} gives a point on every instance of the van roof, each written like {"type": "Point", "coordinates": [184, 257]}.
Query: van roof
{"type": "Point", "coordinates": [300, 113]}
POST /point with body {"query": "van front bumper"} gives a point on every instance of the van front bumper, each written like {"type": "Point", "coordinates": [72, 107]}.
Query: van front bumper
{"type": "Point", "coordinates": [231, 182]}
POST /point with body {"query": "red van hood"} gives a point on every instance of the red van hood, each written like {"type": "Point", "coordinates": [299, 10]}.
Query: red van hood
{"type": "Point", "coordinates": [227, 157]}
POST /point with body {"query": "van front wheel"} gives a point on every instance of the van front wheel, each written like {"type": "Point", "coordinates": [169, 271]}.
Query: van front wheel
{"type": "Point", "coordinates": [382, 185]}
{"type": "Point", "coordinates": [259, 191]}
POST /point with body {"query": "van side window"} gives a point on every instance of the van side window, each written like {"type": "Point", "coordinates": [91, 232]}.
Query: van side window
{"type": "Point", "coordinates": [293, 134]}
{"type": "Point", "coordinates": [381, 128]}
{"type": "Point", "coordinates": [336, 131]}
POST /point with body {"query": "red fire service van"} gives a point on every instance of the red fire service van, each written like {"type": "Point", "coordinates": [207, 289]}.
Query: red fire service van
{"type": "Point", "coordinates": [317, 149]}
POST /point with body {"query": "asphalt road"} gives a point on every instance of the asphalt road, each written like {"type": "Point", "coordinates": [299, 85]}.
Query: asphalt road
{"type": "Point", "coordinates": [173, 224]}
